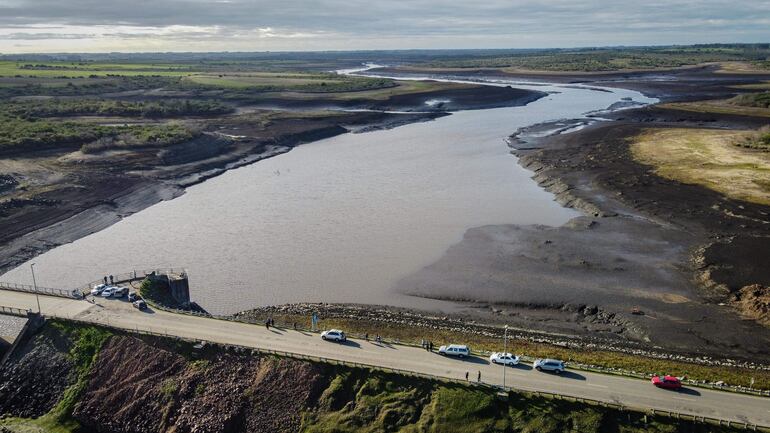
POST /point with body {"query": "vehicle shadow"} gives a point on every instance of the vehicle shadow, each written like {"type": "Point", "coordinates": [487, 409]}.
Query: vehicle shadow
{"type": "Point", "coordinates": [689, 391]}
{"type": "Point", "coordinates": [572, 375]}
{"type": "Point", "coordinates": [350, 343]}
{"type": "Point", "coordinates": [522, 366]}
{"type": "Point", "coordinates": [471, 360]}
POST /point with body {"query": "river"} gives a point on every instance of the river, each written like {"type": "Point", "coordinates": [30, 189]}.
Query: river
{"type": "Point", "coordinates": [337, 220]}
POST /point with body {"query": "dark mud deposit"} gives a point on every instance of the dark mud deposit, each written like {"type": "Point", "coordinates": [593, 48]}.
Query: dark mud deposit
{"type": "Point", "coordinates": [679, 253]}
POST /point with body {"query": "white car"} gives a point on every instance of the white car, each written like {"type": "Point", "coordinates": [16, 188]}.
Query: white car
{"type": "Point", "coordinates": [458, 350]}
{"type": "Point", "coordinates": [97, 290]}
{"type": "Point", "coordinates": [334, 335]}
{"type": "Point", "coordinates": [504, 358]}
{"type": "Point", "coordinates": [108, 291]}
{"type": "Point", "coordinates": [120, 292]}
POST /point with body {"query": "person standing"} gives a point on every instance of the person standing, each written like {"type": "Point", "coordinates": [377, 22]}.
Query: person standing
{"type": "Point", "coordinates": [479, 378]}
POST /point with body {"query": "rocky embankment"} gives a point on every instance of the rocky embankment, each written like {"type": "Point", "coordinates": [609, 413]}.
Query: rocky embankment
{"type": "Point", "coordinates": [471, 324]}
{"type": "Point", "coordinates": [84, 379]}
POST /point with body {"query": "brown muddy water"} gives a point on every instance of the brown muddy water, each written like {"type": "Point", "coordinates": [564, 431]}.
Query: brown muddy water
{"type": "Point", "coordinates": [338, 220]}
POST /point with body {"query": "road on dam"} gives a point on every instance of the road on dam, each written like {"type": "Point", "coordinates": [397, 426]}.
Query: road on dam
{"type": "Point", "coordinates": [629, 392]}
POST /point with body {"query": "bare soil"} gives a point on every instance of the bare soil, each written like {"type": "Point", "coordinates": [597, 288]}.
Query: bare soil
{"type": "Point", "coordinates": [678, 253]}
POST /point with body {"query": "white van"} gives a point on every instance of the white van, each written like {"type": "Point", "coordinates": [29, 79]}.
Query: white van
{"type": "Point", "coordinates": [458, 350]}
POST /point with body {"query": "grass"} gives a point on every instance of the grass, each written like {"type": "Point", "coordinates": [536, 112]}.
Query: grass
{"type": "Point", "coordinates": [18, 134]}
{"type": "Point", "coordinates": [85, 344]}
{"type": "Point", "coordinates": [87, 341]}
{"type": "Point", "coordinates": [40, 425]}
{"type": "Point", "coordinates": [85, 70]}
{"type": "Point", "coordinates": [609, 59]}
{"type": "Point", "coordinates": [369, 401]}
{"type": "Point", "coordinates": [589, 357]}
{"type": "Point", "coordinates": [295, 82]}
{"type": "Point", "coordinates": [756, 100]}
{"type": "Point", "coordinates": [709, 158]}
{"type": "Point", "coordinates": [756, 86]}
{"type": "Point", "coordinates": [721, 106]}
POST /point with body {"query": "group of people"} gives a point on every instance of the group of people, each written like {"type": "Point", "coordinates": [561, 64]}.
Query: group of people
{"type": "Point", "coordinates": [478, 379]}
{"type": "Point", "coordinates": [427, 345]}
{"type": "Point", "coordinates": [269, 322]}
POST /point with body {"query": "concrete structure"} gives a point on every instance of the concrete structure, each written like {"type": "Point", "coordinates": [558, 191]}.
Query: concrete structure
{"type": "Point", "coordinates": [177, 283]}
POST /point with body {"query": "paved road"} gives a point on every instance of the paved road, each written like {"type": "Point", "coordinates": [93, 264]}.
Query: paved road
{"type": "Point", "coordinates": [626, 391]}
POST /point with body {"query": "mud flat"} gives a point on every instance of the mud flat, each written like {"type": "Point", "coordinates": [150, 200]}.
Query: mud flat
{"type": "Point", "coordinates": [679, 254]}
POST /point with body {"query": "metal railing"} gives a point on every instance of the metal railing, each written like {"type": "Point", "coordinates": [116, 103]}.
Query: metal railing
{"type": "Point", "coordinates": [64, 293]}
{"type": "Point", "coordinates": [439, 378]}
{"type": "Point", "coordinates": [573, 365]}
{"type": "Point", "coordinates": [13, 311]}
{"type": "Point", "coordinates": [127, 277]}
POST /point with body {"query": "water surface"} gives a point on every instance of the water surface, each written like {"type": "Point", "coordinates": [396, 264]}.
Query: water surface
{"type": "Point", "coordinates": [338, 220]}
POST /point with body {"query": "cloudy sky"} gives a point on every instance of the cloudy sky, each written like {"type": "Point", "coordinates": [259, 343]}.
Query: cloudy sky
{"type": "Point", "coordinates": [257, 25]}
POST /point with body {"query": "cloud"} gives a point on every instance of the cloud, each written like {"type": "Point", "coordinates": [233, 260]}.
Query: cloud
{"type": "Point", "coordinates": [357, 24]}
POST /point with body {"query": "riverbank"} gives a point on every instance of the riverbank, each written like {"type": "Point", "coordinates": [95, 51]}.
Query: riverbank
{"type": "Point", "coordinates": [662, 261]}
{"type": "Point", "coordinates": [58, 196]}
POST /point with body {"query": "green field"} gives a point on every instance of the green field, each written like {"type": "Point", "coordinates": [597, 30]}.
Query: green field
{"type": "Point", "coordinates": [609, 59]}
{"type": "Point", "coordinates": [85, 70]}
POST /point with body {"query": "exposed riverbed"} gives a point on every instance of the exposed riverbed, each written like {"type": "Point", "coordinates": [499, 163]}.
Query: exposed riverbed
{"type": "Point", "coordinates": [337, 220]}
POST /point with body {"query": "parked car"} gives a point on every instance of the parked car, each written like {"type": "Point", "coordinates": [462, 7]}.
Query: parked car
{"type": "Point", "coordinates": [667, 382]}
{"type": "Point", "coordinates": [140, 304]}
{"type": "Point", "coordinates": [549, 365]}
{"type": "Point", "coordinates": [98, 289]}
{"type": "Point", "coordinates": [133, 297]}
{"type": "Point", "coordinates": [120, 292]}
{"type": "Point", "coordinates": [503, 358]}
{"type": "Point", "coordinates": [334, 335]}
{"type": "Point", "coordinates": [458, 350]}
{"type": "Point", "coordinates": [108, 291]}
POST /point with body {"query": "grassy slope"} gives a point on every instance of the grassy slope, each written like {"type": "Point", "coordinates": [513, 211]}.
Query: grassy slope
{"type": "Point", "coordinates": [85, 344]}
{"type": "Point", "coordinates": [357, 401]}
{"type": "Point", "coordinates": [709, 158]}
{"type": "Point", "coordinates": [360, 400]}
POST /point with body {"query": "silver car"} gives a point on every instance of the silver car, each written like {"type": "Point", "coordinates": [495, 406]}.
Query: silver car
{"type": "Point", "coordinates": [549, 365]}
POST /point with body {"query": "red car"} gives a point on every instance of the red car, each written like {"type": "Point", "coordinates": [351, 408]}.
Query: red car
{"type": "Point", "coordinates": [667, 382]}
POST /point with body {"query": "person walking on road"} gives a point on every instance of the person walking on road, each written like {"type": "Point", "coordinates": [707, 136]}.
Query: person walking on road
{"type": "Point", "coordinates": [267, 324]}
{"type": "Point", "coordinates": [479, 378]}
{"type": "Point", "coordinates": [466, 375]}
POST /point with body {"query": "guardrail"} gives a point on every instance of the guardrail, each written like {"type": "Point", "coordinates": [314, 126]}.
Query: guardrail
{"type": "Point", "coordinates": [490, 386]}
{"type": "Point", "coordinates": [573, 365]}
{"type": "Point", "coordinates": [140, 274]}
{"type": "Point", "coordinates": [27, 288]}
{"type": "Point", "coordinates": [12, 311]}
{"type": "Point", "coordinates": [127, 277]}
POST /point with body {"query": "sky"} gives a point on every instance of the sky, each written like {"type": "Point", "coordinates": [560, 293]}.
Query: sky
{"type": "Point", "coordinates": [28, 26]}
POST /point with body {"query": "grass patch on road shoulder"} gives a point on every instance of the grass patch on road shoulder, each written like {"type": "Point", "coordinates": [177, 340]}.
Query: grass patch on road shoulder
{"type": "Point", "coordinates": [627, 362]}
